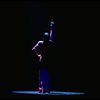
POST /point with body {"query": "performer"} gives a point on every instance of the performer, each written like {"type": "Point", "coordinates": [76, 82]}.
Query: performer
{"type": "Point", "coordinates": [44, 50]}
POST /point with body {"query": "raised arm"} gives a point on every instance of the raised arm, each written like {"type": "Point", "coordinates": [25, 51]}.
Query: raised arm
{"type": "Point", "coordinates": [51, 30]}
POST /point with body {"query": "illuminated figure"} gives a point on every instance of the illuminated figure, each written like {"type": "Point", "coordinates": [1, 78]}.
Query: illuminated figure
{"type": "Point", "coordinates": [43, 50]}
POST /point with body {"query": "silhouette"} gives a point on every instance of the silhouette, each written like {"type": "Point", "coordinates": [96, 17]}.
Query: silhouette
{"type": "Point", "coordinates": [44, 51]}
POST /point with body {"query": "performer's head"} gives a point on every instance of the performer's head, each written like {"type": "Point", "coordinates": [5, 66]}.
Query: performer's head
{"type": "Point", "coordinates": [46, 36]}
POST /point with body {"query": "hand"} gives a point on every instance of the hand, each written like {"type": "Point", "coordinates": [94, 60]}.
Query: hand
{"type": "Point", "coordinates": [40, 56]}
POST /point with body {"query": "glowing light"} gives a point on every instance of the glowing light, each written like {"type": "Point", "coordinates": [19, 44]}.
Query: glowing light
{"type": "Point", "coordinates": [51, 93]}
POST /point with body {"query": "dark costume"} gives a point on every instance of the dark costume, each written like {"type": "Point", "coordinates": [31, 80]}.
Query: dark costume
{"type": "Point", "coordinates": [45, 49]}
{"type": "Point", "coordinates": [45, 65]}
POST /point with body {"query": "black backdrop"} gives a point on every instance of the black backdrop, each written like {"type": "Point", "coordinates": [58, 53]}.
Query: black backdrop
{"type": "Point", "coordinates": [76, 39]}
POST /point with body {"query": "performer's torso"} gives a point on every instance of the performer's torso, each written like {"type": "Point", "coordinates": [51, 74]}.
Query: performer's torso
{"type": "Point", "coordinates": [46, 50]}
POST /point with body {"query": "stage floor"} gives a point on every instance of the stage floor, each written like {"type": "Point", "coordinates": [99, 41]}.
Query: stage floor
{"type": "Point", "coordinates": [51, 93]}
{"type": "Point", "coordinates": [17, 94]}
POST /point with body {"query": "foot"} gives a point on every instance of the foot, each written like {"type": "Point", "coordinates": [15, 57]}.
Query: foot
{"type": "Point", "coordinates": [46, 92]}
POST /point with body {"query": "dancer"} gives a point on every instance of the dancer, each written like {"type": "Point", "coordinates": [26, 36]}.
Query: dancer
{"type": "Point", "coordinates": [43, 50]}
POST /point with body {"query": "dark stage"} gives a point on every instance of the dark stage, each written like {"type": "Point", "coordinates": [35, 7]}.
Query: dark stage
{"type": "Point", "coordinates": [75, 62]}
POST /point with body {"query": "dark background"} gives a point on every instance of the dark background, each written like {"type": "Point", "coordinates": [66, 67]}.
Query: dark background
{"type": "Point", "coordinates": [76, 39]}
